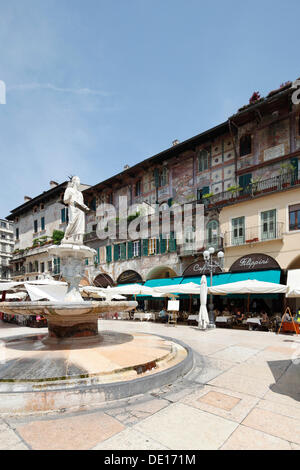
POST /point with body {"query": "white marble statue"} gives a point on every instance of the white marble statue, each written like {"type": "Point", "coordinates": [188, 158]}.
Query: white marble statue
{"type": "Point", "coordinates": [73, 198]}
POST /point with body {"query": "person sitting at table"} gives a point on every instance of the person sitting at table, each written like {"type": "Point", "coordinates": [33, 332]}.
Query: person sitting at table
{"type": "Point", "coordinates": [217, 312]}
{"type": "Point", "coordinates": [264, 316]}
{"type": "Point", "coordinates": [226, 312]}
{"type": "Point", "coordinates": [239, 315]}
{"type": "Point", "coordinates": [163, 316]}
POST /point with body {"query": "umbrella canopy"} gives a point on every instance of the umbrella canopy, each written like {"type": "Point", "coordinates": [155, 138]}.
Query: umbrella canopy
{"type": "Point", "coordinates": [98, 292]}
{"type": "Point", "coordinates": [16, 296]}
{"type": "Point", "coordinates": [129, 289]}
{"type": "Point", "coordinates": [203, 321]}
{"type": "Point", "coordinates": [248, 287]}
{"type": "Point", "coordinates": [189, 288]}
{"type": "Point", "coordinates": [293, 282]}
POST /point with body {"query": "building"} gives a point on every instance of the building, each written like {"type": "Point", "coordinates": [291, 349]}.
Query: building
{"type": "Point", "coordinates": [244, 171]}
{"type": "Point", "coordinates": [37, 224]}
{"type": "Point", "coordinates": [7, 248]}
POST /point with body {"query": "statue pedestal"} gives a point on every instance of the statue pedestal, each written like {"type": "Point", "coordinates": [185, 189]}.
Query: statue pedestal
{"type": "Point", "coordinates": [72, 266]}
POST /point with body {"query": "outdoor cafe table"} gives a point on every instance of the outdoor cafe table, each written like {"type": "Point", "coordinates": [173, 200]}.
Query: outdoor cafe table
{"type": "Point", "coordinates": [144, 316]}
{"type": "Point", "coordinates": [254, 320]}
{"type": "Point", "coordinates": [223, 319]}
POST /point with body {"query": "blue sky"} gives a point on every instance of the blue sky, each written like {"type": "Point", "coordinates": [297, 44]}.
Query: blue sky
{"type": "Point", "coordinates": [93, 85]}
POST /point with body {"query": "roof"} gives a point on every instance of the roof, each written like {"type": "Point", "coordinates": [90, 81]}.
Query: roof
{"type": "Point", "coordinates": [165, 154]}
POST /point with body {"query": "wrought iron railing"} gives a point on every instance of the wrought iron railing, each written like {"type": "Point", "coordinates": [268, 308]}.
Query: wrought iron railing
{"type": "Point", "coordinates": [249, 235]}
{"type": "Point", "coordinates": [276, 183]}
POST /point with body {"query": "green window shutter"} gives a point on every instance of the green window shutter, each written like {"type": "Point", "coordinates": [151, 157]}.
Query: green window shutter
{"type": "Point", "coordinates": [63, 216]}
{"type": "Point", "coordinates": [43, 223]}
{"type": "Point", "coordinates": [116, 252]}
{"type": "Point", "coordinates": [97, 256]}
{"type": "Point", "coordinates": [295, 163]}
{"type": "Point", "coordinates": [145, 247]}
{"type": "Point", "coordinates": [172, 242]}
{"type": "Point", "coordinates": [163, 245]}
{"type": "Point", "coordinates": [86, 262]}
{"type": "Point", "coordinates": [108, 254]}
{"type": "Point", "coordinates": [157, 245]}
{"type": "Point", "coordinates": [130, 250]}
{"type": "Point", "coordinates": [123, 251]}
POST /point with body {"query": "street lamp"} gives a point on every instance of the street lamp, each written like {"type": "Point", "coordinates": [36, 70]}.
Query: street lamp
{"type": "Point", "coordinates": [210, 265]}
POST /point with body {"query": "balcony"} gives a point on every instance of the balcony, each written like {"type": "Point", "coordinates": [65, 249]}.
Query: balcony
{"type": "Point", "coordinates": [251, 235]}
{"type": "Point", "coordinates": [189, 250]}
{"type": "Point", "coordinates": [256, 189]}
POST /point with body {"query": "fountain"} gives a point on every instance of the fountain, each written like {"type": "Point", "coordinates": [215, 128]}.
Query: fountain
{"type": "Point", "coordinates": [74, 365]}
{"type": "Point", "coordinates": [74, 318]}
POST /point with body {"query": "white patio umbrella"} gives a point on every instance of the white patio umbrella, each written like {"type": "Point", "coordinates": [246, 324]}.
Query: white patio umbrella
{"type": "Point", "coordinates": [251, 286]}
{"type": "Point", "coordinates": [98, 292]}
{"type": "Point", "coordinates": [129, 289]}
{"type": "Point", "coordinates": [203, 315]}
{"type": "Point", "coordinates": [188, 288]}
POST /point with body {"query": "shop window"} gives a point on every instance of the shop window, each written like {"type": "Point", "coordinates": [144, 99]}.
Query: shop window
{"type": "Point", "coordinates": [294, 217]}
{"type": "Point", "coordinates": [245, 145]}
{"type": "Point", "coordinates": [203, 160]}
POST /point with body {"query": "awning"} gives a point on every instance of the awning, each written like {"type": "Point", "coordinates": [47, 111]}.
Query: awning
{"type": "Point", "coordinates": [250, 286]}
{"type": "Point", "coordinates": [293, 283]}
{"type": "Point", "coordinates": [226, 278]}
{"type": "Point", "coordinates": [163, 282]}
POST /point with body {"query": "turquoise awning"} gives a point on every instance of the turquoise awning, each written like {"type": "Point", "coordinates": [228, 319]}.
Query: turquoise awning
{"type": "Point", "coordinates": [270, 275]}
{"type": "Point", "coordinates": [163, 282]}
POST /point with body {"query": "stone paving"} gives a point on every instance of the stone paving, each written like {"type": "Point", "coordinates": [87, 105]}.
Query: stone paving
{"type": "Point", "coordinates": [242, 393]}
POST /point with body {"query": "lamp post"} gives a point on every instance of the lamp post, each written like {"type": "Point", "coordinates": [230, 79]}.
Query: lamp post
{"type": "Point", "coordinates": [210, 265]}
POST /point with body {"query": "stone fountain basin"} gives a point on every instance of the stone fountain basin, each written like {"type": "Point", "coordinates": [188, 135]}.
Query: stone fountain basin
{"type": "Point", "coordinates": [66, 309]}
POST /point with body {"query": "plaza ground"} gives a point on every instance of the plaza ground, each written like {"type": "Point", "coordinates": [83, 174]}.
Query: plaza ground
{"type": "Point", "coordinates": [243, 393]}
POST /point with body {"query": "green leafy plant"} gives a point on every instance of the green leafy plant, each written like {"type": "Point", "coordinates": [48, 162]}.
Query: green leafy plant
{"type": "Point", "coordinates": [234, 189]}
{"type": "Point", "coordinates": [207, 195]}
{"type": "Point", "coordinates": [57, 236]}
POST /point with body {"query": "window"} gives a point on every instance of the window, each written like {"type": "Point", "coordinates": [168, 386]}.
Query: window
{"type": "Point", "coordinates": [151, 246]}
{"type": "Point", "coordinates": [294, 217]}
{"type": "Point", "coordinates": [3, 224]}
{"type": "Point", "coordinates": [203, 160]}
{"type": "Point", "coordinates": [56, 263]}
{"type": "Point", "coordinates": [42, 267]}
{"type": "Point", "coordinates": [136, 248]}
{"type": "Point", "coordinates": [163, 177]}
{"type": "Point", "coordinates": [268, 225]}
{"type": "Point", "coordinates": [117, 252]}
{"type": "Point", "coordinates": [138, 188]}
{"type": "Point", "coordinates": [17, 234]}
{"type": "Point", "coordinates": [35, 226]}
{"type": "Point", "coordinates": [49, 266]}
{"type": "Point", "coordinates": [212, 233]}
{"type": "Point", "coordinates": [245, 145]}
{"type": "Point", "coordinates": [63, 216]}
{"type": "Point", "coordinates": [238, 231]}
{"type": "Point", "coordinates": [36, 266]}
{"type": "Point", "coordinates": [43, 223]}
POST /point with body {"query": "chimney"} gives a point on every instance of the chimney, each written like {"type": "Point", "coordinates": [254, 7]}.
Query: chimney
{"type": "Point", "coordinates": [175, 142]}
{"type": "Point", "coordinates": [126, 167]}
{"type": "Point", "coordinates": [27, 198]}
{"type": "Point", "coordinates": [53, 184]}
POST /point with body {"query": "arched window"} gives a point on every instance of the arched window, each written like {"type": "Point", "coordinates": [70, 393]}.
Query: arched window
{"type": "Point", "coordinates": [203, 160]}
{"type": "Point", "coordinates": [212, 233]}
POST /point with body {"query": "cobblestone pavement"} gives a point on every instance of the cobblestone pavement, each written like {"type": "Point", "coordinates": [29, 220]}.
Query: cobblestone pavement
{"type": "Point", "coordinates": [243, 393]}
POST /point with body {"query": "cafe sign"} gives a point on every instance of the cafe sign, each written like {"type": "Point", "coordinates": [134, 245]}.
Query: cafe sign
{"type": "Point", "coordinates": [197, 269]}
{"type": "Point", "coordinates": [129, 277]}
{"type": "Point", "coordinates": [254, 262]}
